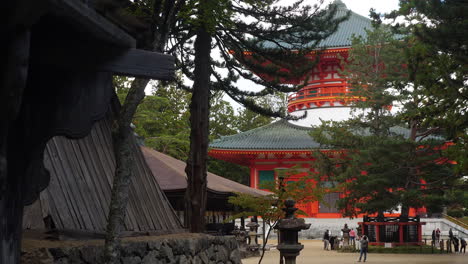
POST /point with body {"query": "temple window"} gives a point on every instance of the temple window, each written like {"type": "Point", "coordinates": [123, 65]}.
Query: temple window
{"type": "Point", "coordinates": [266, 176]}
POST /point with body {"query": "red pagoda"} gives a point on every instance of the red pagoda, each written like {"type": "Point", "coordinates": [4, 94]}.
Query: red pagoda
{"type": "Point", "coordinates": [286, 144]}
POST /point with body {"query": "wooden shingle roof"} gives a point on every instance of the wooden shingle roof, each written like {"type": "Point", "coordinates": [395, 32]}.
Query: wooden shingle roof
{"type": "Point", "coordinates": [78, 196]}
{"type": "Point", "coordinates": [170, 174]}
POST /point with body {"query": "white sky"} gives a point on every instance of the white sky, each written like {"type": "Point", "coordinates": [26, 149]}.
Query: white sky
{"type": "Point", "coordinates": [361, 7]}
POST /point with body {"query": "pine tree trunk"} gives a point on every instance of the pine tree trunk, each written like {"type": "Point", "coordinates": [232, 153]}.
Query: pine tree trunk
{"type": "Point", "coordinates": [199, 120]}
{"type": "Point", "coordinates": [122, 132]}
{"type": "Point", "coordinates": [124, 170]}
{"type": "Point", "coordinates": [404, 207]}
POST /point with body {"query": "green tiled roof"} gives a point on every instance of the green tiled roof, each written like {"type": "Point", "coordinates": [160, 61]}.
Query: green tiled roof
{"type": "Point", "coordinates": [280, 135]}
{"type": "Point", "coordinates": [355, 25]}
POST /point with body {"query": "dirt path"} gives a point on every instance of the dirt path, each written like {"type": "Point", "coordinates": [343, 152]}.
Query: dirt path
{"type": "Point", "coordinates": [313, 253]}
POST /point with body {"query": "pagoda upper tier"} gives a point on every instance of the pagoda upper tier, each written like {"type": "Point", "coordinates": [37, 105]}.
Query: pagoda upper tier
{"type": "Point", "coordinates": [325, 87]}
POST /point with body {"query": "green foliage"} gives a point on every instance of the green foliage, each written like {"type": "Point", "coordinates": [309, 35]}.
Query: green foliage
{"type": "Point", "coordinates": [254, 39]}
{"type": "Point", "coordinates": [162, 120]}
{"type": "Point", "coordinates": [378, 173]}
{"type": "Point", "coordinates": [222, 117]}
{"type": "Point", "coordinates": [424, 249]}
{"type": "Point", "coordinates": [458, 213]}
{"type": "Point", "coordinates": [237, 173]}
{"type": "Point", "coordinates": [270, 206]}
{"type": "Point", "coordinates": [122, 86]}
{"type": "Point", "coordinates": [383, 163]}
{"type": "Point", "coordinates": [438, 62]}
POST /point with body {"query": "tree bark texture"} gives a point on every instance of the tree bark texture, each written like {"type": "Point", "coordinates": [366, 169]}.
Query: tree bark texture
{"type": "Point", "coordinates": [199, 120]}
{"type": "Point", "coordinates": [14, 72]}
{"type": "Point", "coordinates": [122, 147]}
{"type": "Point", "coordinates": [125, 163]}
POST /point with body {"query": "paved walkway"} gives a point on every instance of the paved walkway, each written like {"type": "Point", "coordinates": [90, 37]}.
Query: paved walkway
{"type": "Point", "coordinates": [313, 253]}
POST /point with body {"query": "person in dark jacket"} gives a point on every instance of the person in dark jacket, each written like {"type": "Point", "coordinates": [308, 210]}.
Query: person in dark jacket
{"type": "Point", "coordinates": [463, 245]}
{"type": "Point", "coordinates": [364, 247]}
{"type": "Point", "coordinates": [326, 240]}
{"type": "Point", "coordinates": [456, 243]}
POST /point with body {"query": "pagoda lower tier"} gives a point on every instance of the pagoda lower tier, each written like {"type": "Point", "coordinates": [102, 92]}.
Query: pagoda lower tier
{"type": "Point", "coordinates": [281, 145]}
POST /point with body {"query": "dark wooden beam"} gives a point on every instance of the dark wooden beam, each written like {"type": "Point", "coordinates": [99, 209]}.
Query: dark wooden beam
{"type": "Point", "coordinates": [87, 19]}
{"type": "Point", "coordinates": [22, 14]}
{"type": "Point", "coordinates": [13, 80]}
{"type": "Point", "coordinates": [86, 55]}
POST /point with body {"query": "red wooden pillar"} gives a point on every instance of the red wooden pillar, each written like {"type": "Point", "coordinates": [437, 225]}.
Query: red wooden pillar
{"type": "Point", "coordinates": [400, 227]}
{"type": "Point", "coordinates": [419, 232]}
{"type": "Point", "coordinates": [253, 182]}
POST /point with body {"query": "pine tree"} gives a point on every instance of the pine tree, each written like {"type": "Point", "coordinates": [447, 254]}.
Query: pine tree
{"type": "Point", "coordinates": [240, 31]}
{"type": "Point", "coordinates": [439, 61]}
{"type": "Point", "coordinates": [383, 159]}
{"type": "Point", "coordinates": [262, 37]}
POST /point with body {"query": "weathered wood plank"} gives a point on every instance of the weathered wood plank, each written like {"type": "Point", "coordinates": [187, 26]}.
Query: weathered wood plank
{"type": "Point", "coordinates": [96, 182]}
{"type": "Point", "coordinates": [72, 189]}
{"type": "Point", "coordinates": [86, 189]}
{"type": "Point", "coordinates": [158, 208]}
{"type": "Point", "coordinates": [58, 190]}
{"type": "Point", "coordinates": [169, 222]}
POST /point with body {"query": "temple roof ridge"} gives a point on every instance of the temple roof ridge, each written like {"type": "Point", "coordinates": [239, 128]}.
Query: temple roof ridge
{"type": "Point", "coordinates": [340, 4]}
{"type": "Point", "coordinates": [282, 135]}
{"type": "Point", "coordinates": [278, 135]}
{"type": "Point", "coordinates": [356, 25]}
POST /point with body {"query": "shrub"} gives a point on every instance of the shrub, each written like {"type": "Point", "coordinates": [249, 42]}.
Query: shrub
{"type": "Point", "coordinates": [455, 213]}
{"type": "Point", "coordinates": [424, 249]}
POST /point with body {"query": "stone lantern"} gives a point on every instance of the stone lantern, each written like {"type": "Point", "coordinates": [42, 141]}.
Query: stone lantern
{"type": "Point", "coordinates": [253, 246]}
{"type": "Point", "coordinates": [289, 228]}
{"type": "Point", "coordinates": [240, 236]}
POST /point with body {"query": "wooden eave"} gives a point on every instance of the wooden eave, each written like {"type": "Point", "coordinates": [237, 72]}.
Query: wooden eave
{"type": "Point", "coordinates": [86, 18]}
{"type": "Point", "coordinates": [72, 35]}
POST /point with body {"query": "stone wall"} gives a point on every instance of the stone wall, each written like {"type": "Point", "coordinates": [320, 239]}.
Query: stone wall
{"type": "Point", "coordinates": [318, 227]}
{"type": "Point", "coordinates": [188, 248]}
{"type": "Point", "coordinates": [444, 225]}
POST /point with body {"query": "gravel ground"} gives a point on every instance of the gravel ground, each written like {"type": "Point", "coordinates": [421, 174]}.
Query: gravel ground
{"type": "Point", "coordinates": [313, 253]}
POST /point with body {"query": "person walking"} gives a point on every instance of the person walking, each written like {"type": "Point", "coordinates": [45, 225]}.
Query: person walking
{"type": "Point", "coordinates": [456, 243]}
{"type": "Point", "coordinates": [352, 237]}
{"type": "Point", "coordinates": [358, 243]}
{"type": "Point", "coordinates": [326, 240]}
{"type": "Point", "coordinates": [463, 245]}
{"type": "Point", "coordinates": [364, 247]}
{"type": "Point", "coordinates": [451, 241]}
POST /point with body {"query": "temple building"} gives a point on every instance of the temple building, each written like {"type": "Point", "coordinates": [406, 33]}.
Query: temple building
{"type": "Point", "coordinates": [286, 144]}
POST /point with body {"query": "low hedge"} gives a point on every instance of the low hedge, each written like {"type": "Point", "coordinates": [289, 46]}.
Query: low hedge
{"type": "Point", "coordinates": [424, 249]}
